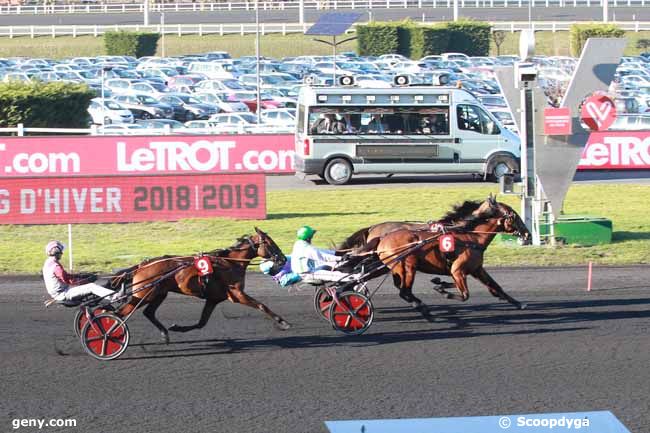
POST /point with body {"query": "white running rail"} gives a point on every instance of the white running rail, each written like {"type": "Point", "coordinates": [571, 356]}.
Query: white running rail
{"type": "Point", "coordinates": [105, 8]}
{"type": "Point", "coordinates": [265, 28]}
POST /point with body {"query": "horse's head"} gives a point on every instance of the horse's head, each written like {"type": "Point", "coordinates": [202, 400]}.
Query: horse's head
{"type": "Point", "coordinates": [509, 221]}
{"type": "Point", "coordinates": [267, 248]}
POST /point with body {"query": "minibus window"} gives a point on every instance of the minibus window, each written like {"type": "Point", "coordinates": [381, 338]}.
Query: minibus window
{"type": "Point", "coordinates": [473, 118]}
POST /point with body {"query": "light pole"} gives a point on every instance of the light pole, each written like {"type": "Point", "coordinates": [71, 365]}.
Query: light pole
{"type": "Point", "coordinates": [146, 13]}
{"type": "Point", "coordinates": [605, 11]}
{"type": "Point", "coordinates": [257, 59]}
{"type": "Point", "coordinates": [455, 10]}
{"type": "Point", "coordinates": [162, 32]}
{"type": "Point", "coordinates": [104, 70]}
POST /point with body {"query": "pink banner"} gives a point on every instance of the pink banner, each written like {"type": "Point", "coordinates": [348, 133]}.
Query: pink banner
{"type": "Point", "coordinates": [617, 151]}
{"type": "Point", "coordinates": [122, 155]}
{"type": "Point", "coordinates": [59, 200]}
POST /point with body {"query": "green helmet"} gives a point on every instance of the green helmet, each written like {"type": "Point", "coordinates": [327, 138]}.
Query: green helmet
{"type": "Point", "coordinates": [305, 233]}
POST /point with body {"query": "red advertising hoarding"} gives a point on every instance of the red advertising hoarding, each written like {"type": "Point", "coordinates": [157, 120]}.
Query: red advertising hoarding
{"type": "Point", "coordinates": [617, 151]}
{"type": "Point", "coordinates": [57, 200]}
{"type": "Point", "coordinates": [91, 156]}
{"type": "Point", "coordinates": [121, 155]}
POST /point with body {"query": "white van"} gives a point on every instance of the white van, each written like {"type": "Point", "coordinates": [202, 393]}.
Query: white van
{"type": "Point", "coordinates": [214, 70]}
{"type": "Point", "coordinates": [347, 130]}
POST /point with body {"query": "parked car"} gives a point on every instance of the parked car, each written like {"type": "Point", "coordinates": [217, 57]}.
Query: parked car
{"type": "Point", "coordinates": [108, 112]}
{"type": "Point", "coordinates": [145, 107]}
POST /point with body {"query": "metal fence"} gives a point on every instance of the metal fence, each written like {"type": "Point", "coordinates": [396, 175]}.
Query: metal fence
{"type": "Point", "coordinates": [265, 28]}
{"type": "Point", "coordinates": [308, 4]}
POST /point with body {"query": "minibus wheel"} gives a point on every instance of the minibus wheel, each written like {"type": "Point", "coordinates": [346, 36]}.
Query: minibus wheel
{"type": "Point", "coordinates": [338, 171]}
{"type": "Point", "coordinates": [499, 166]}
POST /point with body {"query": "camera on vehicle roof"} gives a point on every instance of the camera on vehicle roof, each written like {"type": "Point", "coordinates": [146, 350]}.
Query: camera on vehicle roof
{"type": "Point", "coordinates": [346, 80]}
{"type": "Point", "coordinates": [401, 80]}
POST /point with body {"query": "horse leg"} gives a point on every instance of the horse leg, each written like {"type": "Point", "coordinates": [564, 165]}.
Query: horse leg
{"type": "Point", "coordinates": [208, 308]}
{"type": "Point", "coordinates": [404, 281]}
{"type": "Point", "coordinates": [494, 287]}
{"type": "Point", "coordinates": [242, 298]}
{"type": "Point", "coordinates": [460, 278]}
{"type": "Point", "coordinates": [150, 313]}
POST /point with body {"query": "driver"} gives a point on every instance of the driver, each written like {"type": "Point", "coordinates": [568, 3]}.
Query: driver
{"type": "Point", "coordinates": [317, 263]}
{"type": "Point", "coordinates": [58, 282]}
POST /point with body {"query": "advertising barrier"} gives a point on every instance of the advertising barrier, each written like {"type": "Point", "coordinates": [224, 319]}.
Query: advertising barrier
{"type": "Point", "coordinates": [59, 200]}
{"type": "Point", "coordinates": [121, 155]}
{"type": "Point", "coordinates": [273, 154]}
{"type": "Point", "coordinates": [617, 151]}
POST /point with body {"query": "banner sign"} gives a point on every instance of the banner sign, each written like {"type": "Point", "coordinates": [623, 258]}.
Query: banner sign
{"type": "Point", "coordinates": [616, 151]}
{"type": "Point", "coordinates": [587, 422]}
{"type": "Point", "coordinates": [138, 155]}
{"type": "Point", "coordinates": [557, 121]}
{"type": "Point", "coordinates": [92, 156]}
{"type": "Point", "coordinates": [59, 200]}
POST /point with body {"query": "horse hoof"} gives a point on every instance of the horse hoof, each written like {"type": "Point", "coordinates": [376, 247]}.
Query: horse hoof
{"type": "Point", "coordinates": [284, 325]}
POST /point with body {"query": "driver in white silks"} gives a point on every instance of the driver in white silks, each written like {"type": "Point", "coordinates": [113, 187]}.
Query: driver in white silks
{"type": "Point", "coordinates": [313, 263]}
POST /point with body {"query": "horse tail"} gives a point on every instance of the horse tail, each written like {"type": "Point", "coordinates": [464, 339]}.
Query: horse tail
{"type": "Point", "coordinates": [355, 240]}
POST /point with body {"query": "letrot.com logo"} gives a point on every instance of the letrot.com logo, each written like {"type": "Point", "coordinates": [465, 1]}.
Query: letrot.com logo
{"type": "Point", "coordinates": [547, 423]}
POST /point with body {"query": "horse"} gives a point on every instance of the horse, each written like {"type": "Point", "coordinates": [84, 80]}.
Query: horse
{"type": "Point", "coordinates": [153, 279]}
{"type": "Point", "coordinates": [404, 251]}
{"type": "Point", "coordinates": [363, 236]}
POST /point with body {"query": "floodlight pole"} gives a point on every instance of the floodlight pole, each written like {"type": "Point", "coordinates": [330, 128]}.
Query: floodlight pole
{"type": "Point", "coordinates": [334, 44]}
{"type": "Point", "coordinates": [455, 10]}
{"type": "Point", "coordinates": [301, 12]}
{"type": "Point", "coordinates": [605, 11]}
{"type": "Point", "coordinates": [257, 59]}
{"type": "Point", "coordinates": [162, 33]}
{"type": "Point", "coordinates": [146, 13]}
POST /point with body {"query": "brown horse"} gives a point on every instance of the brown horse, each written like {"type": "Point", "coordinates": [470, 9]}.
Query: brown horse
{"type": "Point", "coordinates": [406, 251]}
{"type": "Point", "coordinates": [153, 279]}
{"type": "Point", "coordinates": [363, 236]}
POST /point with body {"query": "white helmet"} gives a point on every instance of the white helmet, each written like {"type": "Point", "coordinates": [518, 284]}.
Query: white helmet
{"type": "Point", "coordinates": [53, 248]}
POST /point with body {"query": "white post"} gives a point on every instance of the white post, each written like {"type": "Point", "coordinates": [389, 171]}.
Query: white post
{"type": "Point", "coordinates": [162, 29]}
{"type": "Point", "coordinates": [103, 98]}
{"type": "Point", "coordinates": [70, 247]}
{"type": "Point", "coordinates": [455, 10]}
{"type": "Point", "coordinates": [605, 11]}
{"type": "Point", "coordinates": [301, 12]}
{"type": "Point", "coordinates": [146, 13]}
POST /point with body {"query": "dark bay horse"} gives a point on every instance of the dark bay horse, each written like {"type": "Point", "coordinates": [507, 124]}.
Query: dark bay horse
{"type": "Point", "coordinates": [363, 236]}
{"type": "Point", "coordinates": [153, 279]}
{"type": "Point", "coordinates": [405, 251]}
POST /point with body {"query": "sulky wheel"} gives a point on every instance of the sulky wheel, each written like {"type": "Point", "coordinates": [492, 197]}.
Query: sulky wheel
{"type": "Point", "coordinates": [80, 319]}
{"type": "Point", "coordinates": [105, 337]}
{"type": "Point", "coordinates": [322, 302]}
{"type": "Point", "coordinates": [352, 314]}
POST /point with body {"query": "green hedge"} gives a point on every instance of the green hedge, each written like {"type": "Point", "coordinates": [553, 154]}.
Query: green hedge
{"type": "Point", "coordinates": [469, 37]}
{"type": "Point", "coordinates": [44, 105]}
{"type": "Point", "coordinates": [579, 33]}
{"type": "Point", "coordinates": [136, 44]}
{"type": "Point", "coordinates": [414, 41]}
{"type": "Point", "coordinates": [375, 39]}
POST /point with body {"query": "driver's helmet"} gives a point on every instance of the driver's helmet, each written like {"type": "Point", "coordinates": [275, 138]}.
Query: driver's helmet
{"type": "Point", "coordinates": [305, 233]}
{"type": "Point", "coordinates": [53, 248]}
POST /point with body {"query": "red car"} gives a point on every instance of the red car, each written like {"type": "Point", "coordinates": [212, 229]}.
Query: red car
{"type": "Point", "coordinates": [250, 99]}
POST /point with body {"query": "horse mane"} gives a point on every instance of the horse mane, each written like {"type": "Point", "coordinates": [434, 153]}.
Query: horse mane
{"type": "Point", "coordinates": [355, 240]}
{"type": "Point", "coordinates": [464, 215]}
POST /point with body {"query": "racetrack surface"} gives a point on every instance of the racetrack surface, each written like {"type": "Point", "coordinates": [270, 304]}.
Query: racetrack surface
{"type": "Point", "coordinates": [552, 13]}
{"type": "Point", "coordinates": [569, 351]}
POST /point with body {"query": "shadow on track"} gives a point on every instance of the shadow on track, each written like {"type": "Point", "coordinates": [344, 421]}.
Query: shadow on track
{"type": "Point", "coordinates": [462, 321]}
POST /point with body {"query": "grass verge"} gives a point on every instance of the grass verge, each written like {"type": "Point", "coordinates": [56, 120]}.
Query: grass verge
{"type": "Point", "coordinates": [274, 45]}
{"type": "Point", "coordinates": [335, 214]}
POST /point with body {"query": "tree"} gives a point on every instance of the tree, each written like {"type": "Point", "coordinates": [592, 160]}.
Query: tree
{"type": "Point", "coordinates": [499, 36]}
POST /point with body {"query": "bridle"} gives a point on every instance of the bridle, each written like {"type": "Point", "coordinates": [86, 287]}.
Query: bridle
{"type": "Point", "coordinates": [277, 257]}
